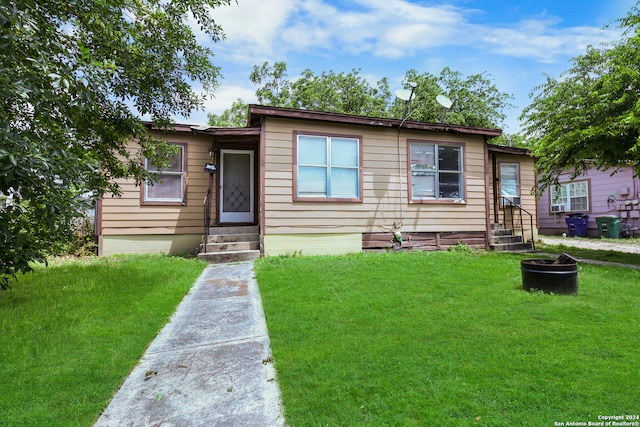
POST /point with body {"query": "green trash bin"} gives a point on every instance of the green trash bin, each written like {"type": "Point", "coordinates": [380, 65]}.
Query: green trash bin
{"type": "Point", "coordinates": [608, 226]}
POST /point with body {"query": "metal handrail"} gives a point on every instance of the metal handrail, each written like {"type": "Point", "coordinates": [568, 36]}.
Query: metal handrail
{"type": "Point", "coordinates": [508, 202]}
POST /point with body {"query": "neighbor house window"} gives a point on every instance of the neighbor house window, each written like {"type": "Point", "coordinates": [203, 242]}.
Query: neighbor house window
{"type": "Point", "coordinates": [570, 197]}
{"type": "Point", "coordinates": [327, 167]}
{"type": "Point", "coordinates": [436, 171]}
{"type": "Point", "coordinates": [170, 187]}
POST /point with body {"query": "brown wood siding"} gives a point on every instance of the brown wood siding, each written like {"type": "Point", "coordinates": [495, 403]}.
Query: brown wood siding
{"type": "Point", "coordinates": [125, 215]}
{"type": "Point", "coordinates": [385, 197]}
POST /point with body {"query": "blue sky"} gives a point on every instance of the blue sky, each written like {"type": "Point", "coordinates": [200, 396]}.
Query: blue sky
{"type": "Point", "coordinates": [515, 42]}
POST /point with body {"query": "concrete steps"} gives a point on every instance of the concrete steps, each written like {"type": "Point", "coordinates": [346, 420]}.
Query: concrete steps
{"type": "Point", "coordinates": [230, 244]}
{"type": "Point", "coordinates": [503, 240]}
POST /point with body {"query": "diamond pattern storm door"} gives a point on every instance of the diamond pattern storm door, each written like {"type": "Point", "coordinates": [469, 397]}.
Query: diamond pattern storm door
{"type": "Point", "coordinates": [236, 186]}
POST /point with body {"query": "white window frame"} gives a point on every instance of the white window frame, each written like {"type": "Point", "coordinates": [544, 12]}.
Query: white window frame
{"type": "Point", "coordinates": [435, 170]}
{"type": "Point", "coordinates": [182, 173]}
{"type": "Point", "coordinates": [568, 194]}
{"type": "Point", "coordinates": [514, 198]}
{"type": "Point", "coordinates": [330, 193]}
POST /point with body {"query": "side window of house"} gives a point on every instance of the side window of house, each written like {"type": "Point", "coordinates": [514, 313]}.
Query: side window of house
{"type": "Point", "coordinates": [570, 197]}
{"type": "Point", "coordinates": [436, 171]}
{"type": "Point", "coordinates": [171, 185]}
{"type": "Point", "coordinates": [327, 168]}
{"type": "Point", "coordinates": [510, 182]}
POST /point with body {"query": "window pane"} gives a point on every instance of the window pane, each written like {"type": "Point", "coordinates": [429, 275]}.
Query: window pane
{"type": "Point", "coordinates": [312, 181]}
{"type": "Point", "coordinates": [579, 204]}
{"type": "Point", "coordinates": [344, 152]}
{"type": "Point", "coordinates": [423, 157]}
{"type": "Point", "coordinates": [423, 186]}
{"type": "Point", "coordinates": [344, 183]}
{"type": "Point", "coordinates": [175, 163]}
{"type": "Point", "coordinates": [312, 150]}
{"type": "Point", "coordinates": [580, 188]}
{"type": "Point", "coordinates": [559, 195]}
{"type": "Point", "coordinates": [509, 185]}
{"type": "Point", "coordinates": [169, 189]}
{"type": "Point", "coordinates": [450, 186]}
{"type": "Point", "coordinates": [449, 158]}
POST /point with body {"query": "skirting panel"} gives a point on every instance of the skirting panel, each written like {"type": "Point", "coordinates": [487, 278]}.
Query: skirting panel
{"type": "Point", "coordinates": [426, 241]}
{"type": "Point", "coordinates": [311, 244]}
{"type": "Point", "coordinates": [146, 244]}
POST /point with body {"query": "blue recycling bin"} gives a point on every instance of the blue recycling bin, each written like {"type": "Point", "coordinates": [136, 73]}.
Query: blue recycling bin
{"type": "Point", "coordinates": [577, 224]}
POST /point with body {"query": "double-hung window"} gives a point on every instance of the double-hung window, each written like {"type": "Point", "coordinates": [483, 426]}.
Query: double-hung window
{"type": "Point", "coordinates": [436, 171]}
{"type": "Point", "coordinates": [510, 183]}
{"type": "Point", "coordinates": [570, 197]}
{"type": "Point", "coordinates": [327, 167]}
{"type": "Point", "coordinates": [170, 188]}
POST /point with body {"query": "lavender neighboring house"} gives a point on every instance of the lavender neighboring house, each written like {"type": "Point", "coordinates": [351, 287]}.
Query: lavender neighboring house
{"type": "Point", "coordinates": [597, 193]}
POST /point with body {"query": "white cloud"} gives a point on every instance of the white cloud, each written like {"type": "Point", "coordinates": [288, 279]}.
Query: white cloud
{"type": "Point", "coordinates": [224, 97]}
{"type": "Point", "coordinates": [258, 30]}
{"type": "Point", "coordinates": [541, 41]}
{"type": "Point", "coordinates": [252, 28]}
{"type": "Point", "coordinates": [227, 95]}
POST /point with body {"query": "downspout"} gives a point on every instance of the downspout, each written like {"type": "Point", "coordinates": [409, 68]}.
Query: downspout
{"type": "Point", "coordinates": [262, 182]}
{"type": "Point", "coordinates": [495, 182]}
{"type": "Point", "coordinates": [487, 205]}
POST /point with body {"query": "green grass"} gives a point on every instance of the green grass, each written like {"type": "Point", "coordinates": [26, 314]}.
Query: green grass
{"type": "Point", "coordinates": [71, 333]}
{"type": "Point", "coordinates": [599, 255]}
{"type": "Point", "coordinates": [448, 338]}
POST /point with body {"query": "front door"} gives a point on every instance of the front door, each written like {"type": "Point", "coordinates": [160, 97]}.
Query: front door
{"type": "Point", "coordinates": [236, 186]}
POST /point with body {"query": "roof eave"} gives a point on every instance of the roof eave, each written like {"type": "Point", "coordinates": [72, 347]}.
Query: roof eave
{"type": "Point", "coordinates": [256, 112]}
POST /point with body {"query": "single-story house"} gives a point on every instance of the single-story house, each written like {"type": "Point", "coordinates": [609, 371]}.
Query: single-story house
{"type": "Point", "coordinates": [307, 182]}
{"type": "Point", "coordinates": [596, 193]}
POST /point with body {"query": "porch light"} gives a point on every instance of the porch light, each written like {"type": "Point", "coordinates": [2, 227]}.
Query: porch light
{"type": "Point", "coordinates": [210, 168]}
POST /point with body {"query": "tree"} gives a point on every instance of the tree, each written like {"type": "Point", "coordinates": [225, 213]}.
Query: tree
{"type": "Point", "coordinates": [346, 93]}
{"type": "Point", "coordinates": [73, 77]}
{"type": "Point", "coordinates": [476, 99]}
{"type": "Point", "coordinates": [273, 86]}
{"type": "Point", "coordinates": [236, 116]}
{"type": "Point", "coordinates": [590, 115]}
{"type": "Point", "coordinates": [478, 102]}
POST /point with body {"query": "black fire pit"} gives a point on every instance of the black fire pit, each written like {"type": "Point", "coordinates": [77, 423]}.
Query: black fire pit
{"type": "Point", "coordinates": [558, 276]}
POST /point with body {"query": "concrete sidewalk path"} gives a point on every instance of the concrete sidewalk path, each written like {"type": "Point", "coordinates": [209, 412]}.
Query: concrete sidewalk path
{"type": "Point", "coordinates": [211, 365]}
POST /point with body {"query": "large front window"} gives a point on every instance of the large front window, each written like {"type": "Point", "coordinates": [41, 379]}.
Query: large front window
{"type": "Point", "coordinates": [436, 171]}
{"type": "Point", "coordinates": [327, 167]}
{"type": "Point", "coordinates": [570, 197]}
{"type": "Point", "coordinates": [170, 186]}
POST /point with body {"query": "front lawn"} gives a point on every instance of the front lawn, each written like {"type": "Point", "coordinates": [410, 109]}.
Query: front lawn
{"type": "Point", "coordinates": [70, 333]}
{"type": "Point", "coordinates": [448, 338]}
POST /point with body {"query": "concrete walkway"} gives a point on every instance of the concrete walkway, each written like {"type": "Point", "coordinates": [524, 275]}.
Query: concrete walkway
{"type": "Point", "coordinates": [210, 366]}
